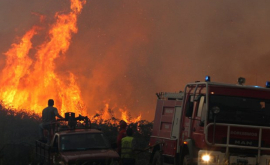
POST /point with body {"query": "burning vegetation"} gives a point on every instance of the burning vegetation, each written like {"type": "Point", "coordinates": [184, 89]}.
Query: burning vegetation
{"type": "Point", "coordinates": [27, 83]}
{"type": "Point", "coordinates": [107, 115]}
{"type": "Point", "coordinates": [29, 78]}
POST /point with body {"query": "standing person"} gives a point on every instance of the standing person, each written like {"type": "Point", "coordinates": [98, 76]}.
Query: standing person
{"type": "Point", "coordinates": [48, 118]}
{"type": "Point", "coordinates": [121, 134]}
{"type": "Point", "coordinates": [128, 148]}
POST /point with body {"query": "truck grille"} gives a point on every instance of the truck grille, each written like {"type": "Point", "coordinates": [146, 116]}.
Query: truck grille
{"type": "Point", "coordinates": [232, 142]}
{"type": "Point", "coordinates": [242, 142]}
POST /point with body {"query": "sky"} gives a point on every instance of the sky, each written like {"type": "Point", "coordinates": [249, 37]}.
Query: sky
{"type": "Point", "coordinates": [126, 51]}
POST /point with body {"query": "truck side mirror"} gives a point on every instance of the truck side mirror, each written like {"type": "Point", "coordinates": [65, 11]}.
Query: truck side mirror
{"type": "Point", "coordinates": [189, 109]}
{"type": "Point", "coordinates": [215, 110]}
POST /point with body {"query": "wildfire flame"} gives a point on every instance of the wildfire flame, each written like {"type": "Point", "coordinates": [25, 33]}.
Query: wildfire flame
{"type": "Point", "coordinates": [127, 118]}
{"type": "Point", "coordinates": [27, 83]}
{"type": "Point", "coordinates": [106, 115]}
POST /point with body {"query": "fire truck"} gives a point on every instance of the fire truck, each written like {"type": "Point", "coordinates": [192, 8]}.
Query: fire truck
{"type": "Point", "coordinates": [74, 142]}
{"type": "Point", "coordinates": [211, 123]}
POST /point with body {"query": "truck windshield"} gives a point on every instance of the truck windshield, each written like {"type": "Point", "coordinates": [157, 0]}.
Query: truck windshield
{"type": "Point", "coordinates": [83, 142]}
{"type": "Point", "coordinates": [240, 110]}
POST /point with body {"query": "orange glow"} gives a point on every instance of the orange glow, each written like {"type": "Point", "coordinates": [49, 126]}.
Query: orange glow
{"type": "Point", "coordinates": [28, 83]}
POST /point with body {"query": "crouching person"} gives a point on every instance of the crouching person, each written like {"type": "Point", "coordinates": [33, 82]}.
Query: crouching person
{"type": "Point", "coordinates": [127, 149]}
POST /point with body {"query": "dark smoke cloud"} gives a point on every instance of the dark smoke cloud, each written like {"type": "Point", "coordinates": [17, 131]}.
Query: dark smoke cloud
{"type": "Point", "coordinates": [126, 51]}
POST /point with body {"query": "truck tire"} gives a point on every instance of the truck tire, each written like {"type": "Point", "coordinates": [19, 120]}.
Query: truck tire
{"type": "Point", "coordinates": [158, 159]}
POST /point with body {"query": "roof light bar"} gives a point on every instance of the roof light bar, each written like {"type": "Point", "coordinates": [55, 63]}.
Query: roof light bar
{"type": "Point", "coordinates": [267, 85]}
{"type": "Point", "coordinates": [207, 79]}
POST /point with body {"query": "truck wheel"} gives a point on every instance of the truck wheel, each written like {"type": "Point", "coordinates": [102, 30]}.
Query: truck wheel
{"type": "Point", "coordinates": [158, 159]}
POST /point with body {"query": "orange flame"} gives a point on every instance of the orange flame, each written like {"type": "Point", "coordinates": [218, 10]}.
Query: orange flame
{"type": "Point", "coordinates": [28, 84]}
{"type": "Point", "coordinates": [127, 117]}
{"type": "Point", "coordinates": [106, 115]}
{"type": "Point", "coordinates": [17, 66]}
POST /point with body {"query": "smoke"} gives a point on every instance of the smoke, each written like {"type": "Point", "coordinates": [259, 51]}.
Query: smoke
{"type": "Point", "coordinates": [126, 51]}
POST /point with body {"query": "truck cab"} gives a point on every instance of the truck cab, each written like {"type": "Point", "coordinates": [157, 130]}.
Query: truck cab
{"type": "Point", "coordinates": [212, 123]}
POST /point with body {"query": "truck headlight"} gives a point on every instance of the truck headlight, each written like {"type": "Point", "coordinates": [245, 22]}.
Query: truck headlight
{"type": "Point", "coordinates": [205, 158]}
{"type": "Point", "coordinates": [212, 157]}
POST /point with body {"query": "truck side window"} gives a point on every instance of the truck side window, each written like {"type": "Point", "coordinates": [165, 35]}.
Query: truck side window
{"type": "Point", "coordinates": [55, 142]}
{"type": "Point", "coordinates": [201, 106]}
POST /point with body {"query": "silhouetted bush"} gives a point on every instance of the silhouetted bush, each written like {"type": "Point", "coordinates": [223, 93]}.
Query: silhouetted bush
{"type": "Point", "coordinates": [19, 131]}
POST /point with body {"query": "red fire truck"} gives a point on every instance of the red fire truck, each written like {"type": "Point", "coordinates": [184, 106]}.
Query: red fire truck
{"type": "Point", "coordinates": [212, 123]}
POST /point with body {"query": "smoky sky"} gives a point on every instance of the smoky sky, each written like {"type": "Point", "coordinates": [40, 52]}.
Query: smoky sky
{"type": "Point", "coordinates": [126, 51]}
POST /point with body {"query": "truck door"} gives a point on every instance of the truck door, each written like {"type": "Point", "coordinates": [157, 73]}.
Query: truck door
{"type": "Point", "coordinates": [188, 114]}
{"type": "Point", "coordinates": [199, 118]}
{"type": "Point", "coordinates": [176, 124]}
{"type": "Point", "coordinates": [195, 98]}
